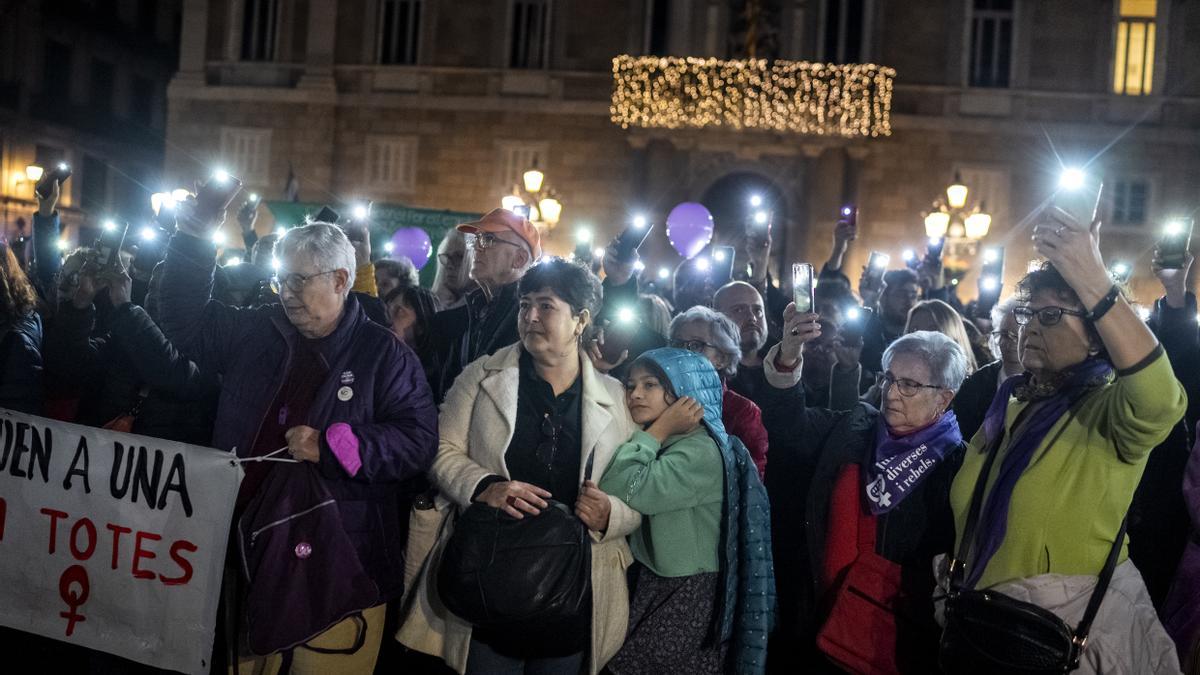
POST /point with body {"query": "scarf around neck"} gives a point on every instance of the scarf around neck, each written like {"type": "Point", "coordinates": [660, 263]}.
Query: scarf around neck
{"type": "Point", "coordinates": [1043, 411]}
{"type": "Point", "coordinates": [902, 462]}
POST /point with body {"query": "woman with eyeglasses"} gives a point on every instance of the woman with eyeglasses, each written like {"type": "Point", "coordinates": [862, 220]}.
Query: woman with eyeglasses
{"type": "Point", "coordinates": [1042, 495]}
{"type": "Point", "coordinates": [517, 431]}
{"type": "Point", "coordinates": [980, 387]}
{"type": "Point", "coordinates": [715, 337]}
{"type": "Point", "coordinates": [860, 507]}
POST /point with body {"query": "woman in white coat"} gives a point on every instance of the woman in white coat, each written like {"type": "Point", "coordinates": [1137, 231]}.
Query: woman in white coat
{"type": "Point", "coordinates": [516, 429]}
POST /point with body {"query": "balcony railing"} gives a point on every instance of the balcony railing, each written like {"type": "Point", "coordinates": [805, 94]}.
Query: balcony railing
{"type": "Point", "coordinates": [852, 100]}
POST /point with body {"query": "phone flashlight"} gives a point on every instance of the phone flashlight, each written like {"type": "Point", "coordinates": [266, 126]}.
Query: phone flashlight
{"type": "Point", "coordinates": [756, 200]}
{"type": "Point", "coordinates": [760, 217]}
{"type": "Point", "coordinates": [703, 264]}
{"type": "Point", "coordinates": [639, 222]}
{"type": "Point", "coordinates": [664, 273]}
{"type": "Point", "coordinates": [881, 260]}
{"type": "Point", "coordinates": [847, 211]}
{"type": "Point", "coordinates": [719, 256]}
{"type": "Point", "coordinates": [639, 266]}
{"type": "Point", "coordinates": [1071, 179]}
{"type": "Point", "coordinates": [989, 284]}
{"type": "Point", "coordinates": [280, 231]}
{"type": "Point", "coordinates": [389, 247]}
{"type": "Point", "coordinates": [909, 255]}
{"type": "Point", "coordinates": [220, 176]}
{"type": "Point", "coordinates": [583, 236]}
{"type": "Point", "coordinates": [109, 226]}
{"type": "Point", "coordinates": [361, 211]}
{"type": "Point", "coordinates": [991, 255]}
{"type": "Point", "coordinates": [853, 313]}
{"type": "Point", "coordinates": [218, 238]}
{"type": "Point", "coordinates": [598, 252]}
{"type": "Point", "coordinates": [149, 233]}
{"type": "Point", "coordinates": [233, 262]}
{"type": "Point", "coordinates": [62, 244]}
{"type": "Point", "coordinates": [626, 315]}
{"type": "Point", "coordinates": [254, 197]}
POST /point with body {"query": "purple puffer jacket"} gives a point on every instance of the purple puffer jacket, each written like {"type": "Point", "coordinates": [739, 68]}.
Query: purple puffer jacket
{"type": "Point", "coordinates": [387, 426]}
{"type": "Point", "coordinates": [1181, 610]}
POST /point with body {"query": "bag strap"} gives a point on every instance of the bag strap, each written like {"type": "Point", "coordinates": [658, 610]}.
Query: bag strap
{"type": "Point", "coordinates": [958, 562]}
{"type": "Point", "coordinates": [867, 522]}
{"type": "Point", "coordinates": [360, 638]}
{"type": "Point", "coordinates": [587, 469]}
{"type": "Point", "coordinates": [1085, 624]}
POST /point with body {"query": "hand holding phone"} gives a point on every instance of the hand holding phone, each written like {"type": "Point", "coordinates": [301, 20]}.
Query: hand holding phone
{"type": "Point", "coordinates": [803, 287]}
{"type": "Point", "coordinates": [56, 176]}
{"type": "Point", "coordinates": [722, 265]}
{"type": "Point", "coordinates": [213, 196]}
{"type": "Point", "coordinates": [1173, 245]}
{"type": "Point", "coordinates": [631, 238]}
{"type": "Point", "coordinates": [1078, 197]}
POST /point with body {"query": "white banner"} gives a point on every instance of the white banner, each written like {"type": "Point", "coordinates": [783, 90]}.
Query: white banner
{"type": "Point", "coordinates": [113, 541]}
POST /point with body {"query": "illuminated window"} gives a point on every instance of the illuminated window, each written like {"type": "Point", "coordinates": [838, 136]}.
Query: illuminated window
{"type": "Point", "coordinates": [1133, 65]}
{"type": "Point", "coordinates": [991, 42]}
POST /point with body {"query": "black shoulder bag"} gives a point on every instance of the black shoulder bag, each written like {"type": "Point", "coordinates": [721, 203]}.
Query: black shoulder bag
{"type": "Point", "coordinates": [532, 573]}
{"type": "Point", "coordinates": [989, 633]}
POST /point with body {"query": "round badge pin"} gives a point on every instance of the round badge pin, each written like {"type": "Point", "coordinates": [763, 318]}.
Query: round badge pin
{"type": "Point", "coordinates": [345, 394]}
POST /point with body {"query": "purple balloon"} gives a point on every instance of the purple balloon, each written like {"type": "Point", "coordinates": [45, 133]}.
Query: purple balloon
{"type": "Point", "coordinates": [690, 228]}
{"type": "Point", "coordinates": [412, 243]}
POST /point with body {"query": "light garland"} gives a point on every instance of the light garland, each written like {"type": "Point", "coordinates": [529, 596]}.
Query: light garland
{"type": "Point", "coordinates": [784, 96]}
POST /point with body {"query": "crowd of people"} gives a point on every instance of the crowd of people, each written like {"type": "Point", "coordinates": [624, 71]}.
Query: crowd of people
{"type": "Point", "coordinates": [539, 471]}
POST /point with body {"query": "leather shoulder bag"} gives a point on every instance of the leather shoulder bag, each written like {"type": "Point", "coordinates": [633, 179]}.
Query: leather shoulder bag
{"type": "Point", "coordinates": [989, 633]}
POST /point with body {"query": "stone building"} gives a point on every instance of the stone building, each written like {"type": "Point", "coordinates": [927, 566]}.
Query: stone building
{"type": "Point", "coordinates": [84, 83]}
{"type": "Point", "coordinates": [443, 104]}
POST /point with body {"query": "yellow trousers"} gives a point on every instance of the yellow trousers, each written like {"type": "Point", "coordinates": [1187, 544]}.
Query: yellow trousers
{"type": "Point", "coordinates": [339, 636]}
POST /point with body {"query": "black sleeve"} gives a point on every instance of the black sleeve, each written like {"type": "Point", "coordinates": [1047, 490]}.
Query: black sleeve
{"type": "Point", "coordinates": [71, 354]}
{"type": "Point", "coordinates": [1179, 333]}
{"type": "Point", "coordinates": [157, 361]}
{"type": "Point", "coordinates": [47, 261]}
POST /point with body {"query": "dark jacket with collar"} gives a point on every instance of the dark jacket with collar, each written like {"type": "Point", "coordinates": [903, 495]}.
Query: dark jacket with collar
{"type": "Point", "coordinates": [477, 329]}
{"type": "Point", "coordinates": [974, 396]}
{"type": "Point", "coordinates": [390, 411]}
{"type": "Point", "coordinates": [800, 480]}
{"type": "Point", "coordinates": [21, 365]}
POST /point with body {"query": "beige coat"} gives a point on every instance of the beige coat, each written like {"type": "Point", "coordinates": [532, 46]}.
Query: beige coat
{"type": "Point", "coordinates": [476, 425]}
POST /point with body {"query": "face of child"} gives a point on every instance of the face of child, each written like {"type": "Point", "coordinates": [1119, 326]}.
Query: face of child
{"type": "Point", "coordinates": [646, 396]}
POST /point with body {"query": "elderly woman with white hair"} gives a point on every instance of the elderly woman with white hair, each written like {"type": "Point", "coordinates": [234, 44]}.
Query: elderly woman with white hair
{"type": "Point", "coordinates": [860, 506]}
{"type": "Point", "coordinates": [715, 337]}
{"type": "Point", "coordinates": [976, 394]}
{"type": "Point", "coordinates": [345, 406]}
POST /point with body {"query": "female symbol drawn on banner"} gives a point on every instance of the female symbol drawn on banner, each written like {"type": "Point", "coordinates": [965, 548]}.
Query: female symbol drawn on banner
{"type": "Point", "coordinates": [75, 574]}
{"type": "Point", "coordinates": [689, 228]}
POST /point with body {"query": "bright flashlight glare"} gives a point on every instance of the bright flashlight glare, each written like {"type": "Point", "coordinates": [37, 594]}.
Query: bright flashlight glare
{"type": "Point", "coordinates": [881, 261]}
{"type": "Point", "coordinates": [280, 231]}
{"type": "Point", "coordinates": [218, 238]}
{"type": "Point", "coordinates": [149, 233]}
{"type": "Point", "coordinates": [639, 266]}
{"type": "Point", "coordinates": [756, 200]}
{"type": "Point", "coordinates": [853, 313]}
{"type": "Point", "coordinates": [989, 283]}
{"type": "Point", "coordinates": [62, 244]}
{"type": "Point", "coordinates": [180, 194]}
{"type": "Point", "coordinates": [389, 247]}
{"type": "Point", "coordinates": [991, 255]}
{"type": "Point", "coordinates": [1120, 269]}
{"type": "Point", "coordinates": [703, 264]}
{"type": "Point", "coordinates": [909, 254]}
{"type": "Point", "coordinates": [1143, 313]}
{"type": "Point", "coordinates": [719, 256]}
{"type": "Point", "coordinates": [360, 212]}
{"type": "Point", "coordinates": [583, 235]}
{"type": "Point", "coordinates": [220, 175]}
{"type": "Point", "coordinates": [254, 196]}
{"type": "Point", "coordinates": [598, 252]}
{"type": "Point", "coordinates": [625, 315]}
{"type": "Point", "coordinates": [1174, 228]}
{"type": "Point", "coordinates": [275, 263]}
{"type": "Point", "coordinates": [639, 222]}
{"type": "Point", "coordinates": [109, 226]}
{"type": "Point", "coordinates": [664, 273]}
{"type": "Point", "coordinates": [760, 217]}
{"type": "Point", "coordinates": [846, 210]}
{"type": "Point", "coordinates": [233, 262]}
{"type": "Point", "coordinates": [1071, 179]}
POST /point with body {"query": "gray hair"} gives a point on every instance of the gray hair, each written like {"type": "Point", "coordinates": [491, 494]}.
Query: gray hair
{"type": "Point", "coordinates": [1001, 310]}
{"type": "Point", "coordinates": [325, 244]}
{"type": "Point", "coordinates": [946, 359]}
{"type": "Point", "coordinates": [724, 333]}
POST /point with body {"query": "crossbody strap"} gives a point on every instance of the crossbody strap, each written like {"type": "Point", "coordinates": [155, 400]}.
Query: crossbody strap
{"type": "Point", "coordinates": [958, 563]}
{"type": "Point", "coordinates": [1093, 607]}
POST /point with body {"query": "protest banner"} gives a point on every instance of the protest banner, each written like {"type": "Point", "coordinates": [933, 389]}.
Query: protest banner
{"type": "Point", "coordinates": [113, 541]}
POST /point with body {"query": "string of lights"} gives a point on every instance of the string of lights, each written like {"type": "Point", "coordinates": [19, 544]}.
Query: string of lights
{"type": "Point", "coordinates": [853, 100]}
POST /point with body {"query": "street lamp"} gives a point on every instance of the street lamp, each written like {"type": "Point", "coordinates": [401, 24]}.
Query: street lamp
{"type": "Point", "coordinates": [951, 218]}
{"type": "Point", "coordinates": [535, 194]}
{"type": "Point", "coordinates": [34, 172]}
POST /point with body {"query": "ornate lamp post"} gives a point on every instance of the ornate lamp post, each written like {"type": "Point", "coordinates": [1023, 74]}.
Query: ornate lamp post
{"type": "Point", "coordinates": [961, 226]}
{"type": "Point", "coordinates": [535, 193]}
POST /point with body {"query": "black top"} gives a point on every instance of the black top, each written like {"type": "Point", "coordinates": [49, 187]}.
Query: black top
{"type": "Point", "coordinates": [547, 437]}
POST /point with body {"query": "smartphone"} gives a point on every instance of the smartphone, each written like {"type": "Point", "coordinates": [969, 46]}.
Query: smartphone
{"type": "Point", "coordinates": [216, 193]}
{"type": "Point", "coordinates": [911, 261]}
{"type": "Point", "coordinates": [109, 244]}
{"type": "Point", "coordinates": [249, 207]}
{"type": "Point", "coordinates": [1080, 200]}
{"type": "Point", "coordinates": [849, 213]}
{"type": "Point", "coordinates": [1174, 243]}
{"type": "Point", "coordinates": [802, 287]}
{"type": "Point", "coordinates": [934, 249]}
{"type": "Point", "coordinates": [631, 239]}
{"type": "Point", "coordinates": [619, 333]}
{"type": "Point", "coordinates": [877, 265]}
{"type": "Point", "coordinates": [326, 215]}
{"type": "Point", "coordinates": [722, 265]}
{"type": "Point", "coordinates": [60, 173]}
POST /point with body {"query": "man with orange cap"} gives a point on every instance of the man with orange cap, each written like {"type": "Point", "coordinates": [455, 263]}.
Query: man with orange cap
{"type": "Point", "coordinates": [504, 245]}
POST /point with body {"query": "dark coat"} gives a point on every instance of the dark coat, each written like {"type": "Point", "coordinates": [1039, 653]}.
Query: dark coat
{"type": "Point", "coordinates": [974, 396]}
{"type": "Point", "coordinates": [21, 365]}
{"type": "Point", "coordinates": [390, 412]}
{"type": "Point", "coordinates": [800, 480]}
{"type": "Point", "coordinates": [477, 329]}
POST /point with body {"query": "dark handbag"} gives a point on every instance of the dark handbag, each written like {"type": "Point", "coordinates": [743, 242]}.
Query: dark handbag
{"type": "Point", "coordinates": [989, 633]}
{"type": "Point", "coordinates": [520, 574]}
{"type": "Point", "coordinates": [302, 570]}
{"type": "Point", "coordinates": [867, 599]}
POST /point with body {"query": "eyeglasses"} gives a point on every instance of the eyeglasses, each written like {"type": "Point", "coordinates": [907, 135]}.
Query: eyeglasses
{"type": "Point", "coordinates": [906, 386]}
{"type": "Point", "coordinates": [1047, 316]}
{"type": "Point", "coordinates": [548, 446]}
{"type": "Point", "coordinates": [295, 282]}
{"type": "Point", "coordinates": [486, 240]}
{"type": "Point", "coordinates": [1004, 336]}
{"type": "Point", "coordinates": [690, 345]}
{"type": "Point", "coordinates": [446, 258]}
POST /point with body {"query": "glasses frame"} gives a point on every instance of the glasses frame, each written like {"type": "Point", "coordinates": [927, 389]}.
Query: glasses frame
{"type": "Point", "coordinates": [1024, 314]}
{"type": "Point", "coordinates": [485, 240]}
{"type": "Point", "coordinates": [288, 280]}
{"type": "Point", "coordinates": [907, 388]}
{"type": "Point", "coordinates": [549, 443]}
{"type": "Point", "coordinates": [682, 344]}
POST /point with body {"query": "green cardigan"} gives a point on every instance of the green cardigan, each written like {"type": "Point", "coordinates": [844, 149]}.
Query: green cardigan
{"type": "Point", "coordinates": [1068, 504]}
{"type": "Point", "coordinates": [678, 488]}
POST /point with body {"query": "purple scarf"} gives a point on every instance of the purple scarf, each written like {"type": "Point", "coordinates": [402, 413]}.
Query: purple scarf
{"type": "Point", "coordinates": [993, 521]}
{"type": "Point", "coordinates": [901, 463]}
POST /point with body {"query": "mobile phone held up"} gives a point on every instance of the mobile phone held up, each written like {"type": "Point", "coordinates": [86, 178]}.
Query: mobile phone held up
{"type": "Point", "coordinates": [1174, 243]}
{"type": "Point", "coordinates": [991, 277]}
{"type": "Point", "coordinates": [1078, 196]}
{"type": "Point", "coordinates": [59, 174]}
{"type": "Point", "coordinates": [108, 245]}
{"type": "Point", "coordinates": [631, 238]}
{"type": "Point", "coordinates": [218, 191]}
{"type": "Point", "coordinates": [877, 266]}
{"type": "Point", "coordinates": [721, 268]}
{"type": "Point", "coordinates": [849, 213]}
{"type": "Point", "coordinates": [934, 250]}
{"type": "Point", "coordinates": [619, 333]}
{"type": "Point", "coordinates": [803, 287]}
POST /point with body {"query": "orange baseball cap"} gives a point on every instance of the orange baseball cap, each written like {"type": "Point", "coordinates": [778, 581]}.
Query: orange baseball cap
{"type": "Point", "coordinates": [503, 220]}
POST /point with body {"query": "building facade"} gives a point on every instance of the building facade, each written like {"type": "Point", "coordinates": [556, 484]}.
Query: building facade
{"type": "Point", "coordinates": [443, 104]}
{"type": "Point", "coordinates": [84, 83]}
